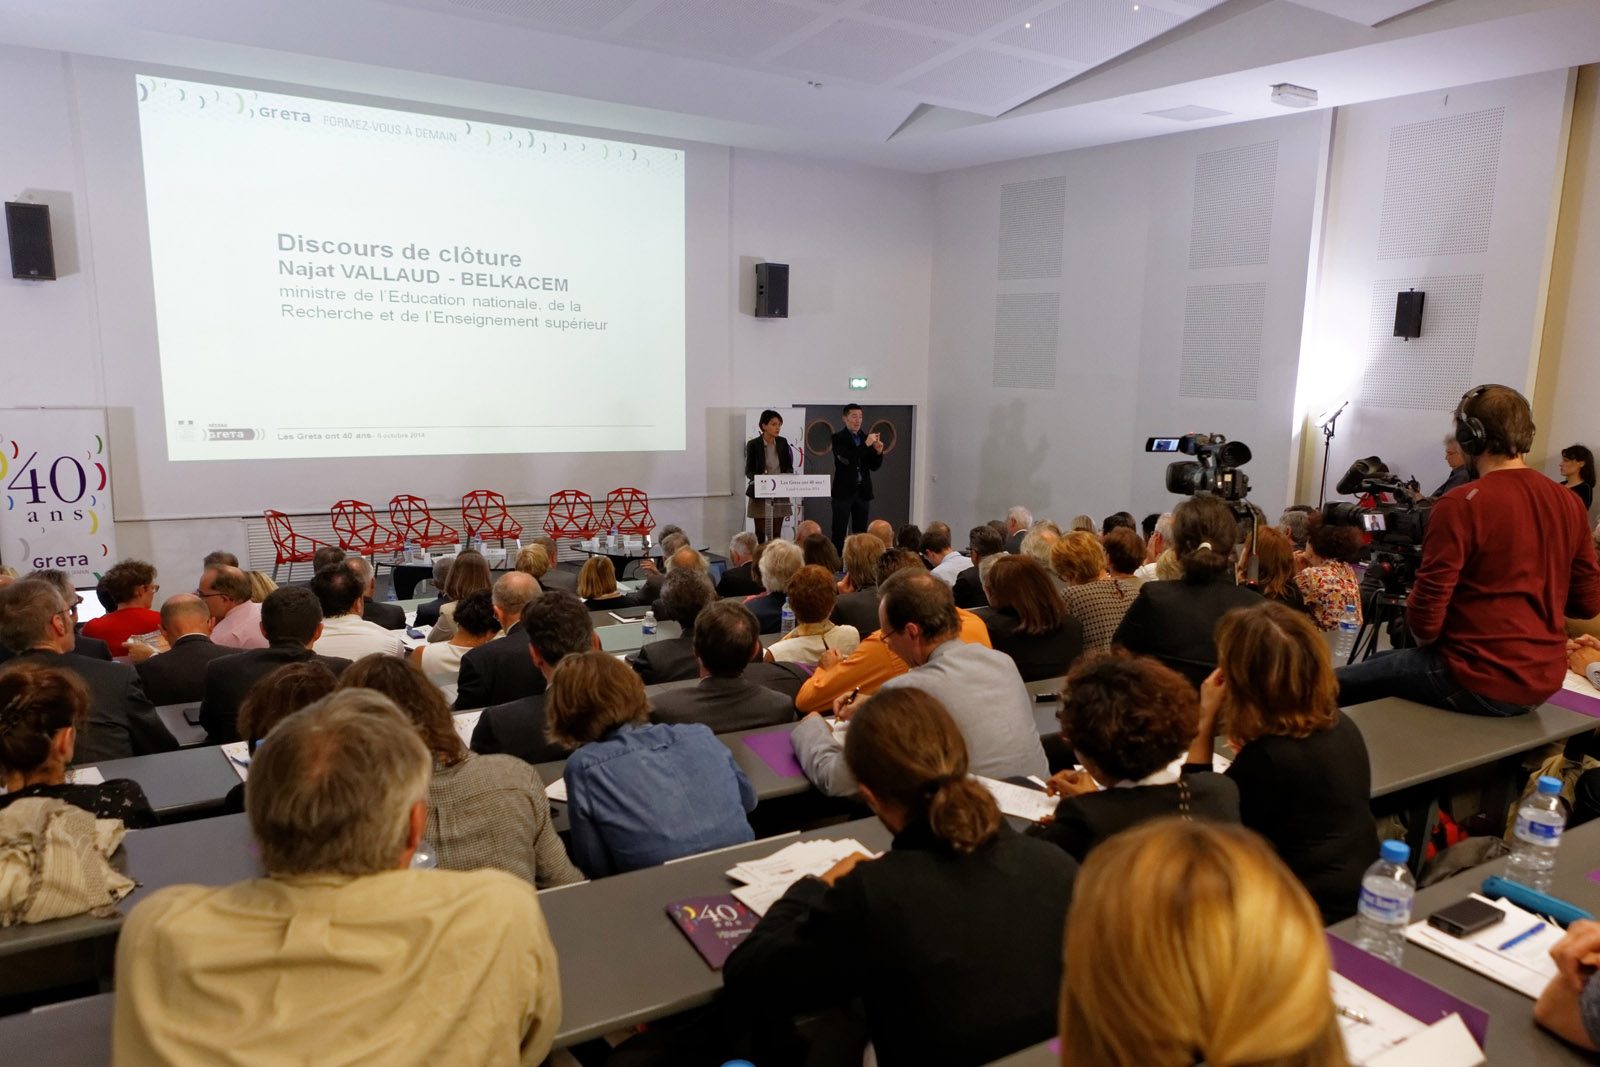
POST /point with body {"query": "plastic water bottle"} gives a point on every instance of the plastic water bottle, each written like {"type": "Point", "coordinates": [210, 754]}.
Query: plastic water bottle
{"type": "Point", "coordinates": [1349, 626]}
{"type": "Point", "coordinates": [1540, 820]}
{"type": "Point", "coordinates": [786, 617]}
{"type": "Point", "coordinates": [1384, 909]}
{"type": "Point", "coordinates": [649, 626]}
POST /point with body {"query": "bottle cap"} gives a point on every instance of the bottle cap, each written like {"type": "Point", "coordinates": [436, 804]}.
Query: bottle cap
{"type": "Point", "coordinates": [1395, 851]}
{"type": "Point", "coordinates": [1549, 785]}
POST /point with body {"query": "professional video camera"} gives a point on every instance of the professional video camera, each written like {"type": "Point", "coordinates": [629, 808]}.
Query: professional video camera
{"type": "Point", "coordinates": [1393, 513]}
{"type": "Point", "coordinates": [1214, 469]}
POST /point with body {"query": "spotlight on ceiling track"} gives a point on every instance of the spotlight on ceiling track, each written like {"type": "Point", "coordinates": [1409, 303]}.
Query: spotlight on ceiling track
{"type": "Point", "coordinates": [1286, 95]}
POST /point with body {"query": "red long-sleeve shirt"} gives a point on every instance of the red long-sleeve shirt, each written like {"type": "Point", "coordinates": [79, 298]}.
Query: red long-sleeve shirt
{"type": "Point", "coordinates": [1505, 560]}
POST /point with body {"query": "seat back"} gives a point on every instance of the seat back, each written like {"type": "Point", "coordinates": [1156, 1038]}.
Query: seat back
{"type": "Point", "coordinates": [357, 528]}
{"type": "Point", "coordinates": [627, 511]}
{"type": "Point", "coordinates": [281, 530]}
{"type": "Point", "coordinates": [484, 514]}
{"type": "Point", "coordinates": [571, 515]}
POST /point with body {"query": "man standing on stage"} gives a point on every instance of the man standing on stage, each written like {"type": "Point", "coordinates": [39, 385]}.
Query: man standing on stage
{"type": "Point", "coordinates": [855, 456]}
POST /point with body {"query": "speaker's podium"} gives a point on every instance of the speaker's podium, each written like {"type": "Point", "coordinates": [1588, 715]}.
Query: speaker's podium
{"type": "Point", "coordinates": [798, 487]}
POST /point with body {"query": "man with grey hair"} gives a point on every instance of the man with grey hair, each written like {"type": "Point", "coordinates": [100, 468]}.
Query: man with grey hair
{"type": "Point", "coordinates": [779, 561]}
{"type": "Point", "coordinates": [388, 616]}
{"type": "Point", "coordinates": [1160, 541]}
{"type": "Point", "coordinates": [741, 577]}
{"type": "Point", "coordinates": [237, 618]}
{"type": "Point", "coordinates": [81, 645]}
{"type": "Point", "coordinates": [1019, 520]}
{"type": "Point", "coordinates": [500, 671]}
{"type": "Point", "coordinates": [36, 624]}
{"type": "Point", "coordinates": [883, 531]}
{"type": "Point", "coordinates": [557, 577]}
{"type": "Point", "coordinates": [428, 614]}
{"type": "Point", "coordinates": [684, 595]}
{"type": "Point", "coordinates": [320, 960]}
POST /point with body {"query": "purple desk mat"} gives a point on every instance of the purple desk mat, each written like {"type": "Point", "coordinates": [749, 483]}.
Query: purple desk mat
{"type": "Point", "coordinates": [776, 752]}
{"type": "Point", "coordinates": [1578, 702]}
{"type": "Point", "coordinates": [1420, 999]}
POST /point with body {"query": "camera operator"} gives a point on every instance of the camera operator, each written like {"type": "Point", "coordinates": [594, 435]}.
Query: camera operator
{"type": "Point", "coordinates": [1504, 560]}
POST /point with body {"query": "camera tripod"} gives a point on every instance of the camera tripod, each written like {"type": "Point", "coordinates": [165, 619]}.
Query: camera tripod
{"type": "Point", "coordinates": [1382, 608]}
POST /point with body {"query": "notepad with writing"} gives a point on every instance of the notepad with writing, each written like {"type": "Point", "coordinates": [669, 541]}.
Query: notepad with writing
{"type": "Point", "coordinates": [713, 925]}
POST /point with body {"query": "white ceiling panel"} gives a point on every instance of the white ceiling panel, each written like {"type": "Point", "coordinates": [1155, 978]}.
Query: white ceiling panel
{"type": "Point", "coordinates": [734, 29]}
{"type": "Point", "coordinates": [986, 81]}
{"type": "Point", "coordinates": [967, 17]}
{"type": "Point", "coordinates": [862, 52]}
{"type": "Point", "coordinates": [1091, 31]}
{"type": "Point", "coordinates": [1366, 12]}
{"type": "Point", "coordinates": [573, 15]}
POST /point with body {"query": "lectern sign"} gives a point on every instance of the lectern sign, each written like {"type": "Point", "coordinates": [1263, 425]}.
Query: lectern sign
{"type": "Point", "coordinates": [56, 477]}
{"type": "Point", "coordinates": [791, 485]}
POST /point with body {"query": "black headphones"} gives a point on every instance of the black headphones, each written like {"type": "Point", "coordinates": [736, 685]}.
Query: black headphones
{"type": "Point", "coordinates": [1470, 434]}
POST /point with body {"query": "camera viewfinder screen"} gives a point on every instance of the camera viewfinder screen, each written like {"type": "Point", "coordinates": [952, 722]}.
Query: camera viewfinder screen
{"type": "Point", "coordinates": [1161, 444]}
{"type": "Point", "coordinates": [1372, 522]}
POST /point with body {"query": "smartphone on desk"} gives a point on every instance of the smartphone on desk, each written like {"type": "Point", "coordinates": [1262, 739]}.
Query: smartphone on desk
{"type": "Point", "coordinates": [1466, 917]}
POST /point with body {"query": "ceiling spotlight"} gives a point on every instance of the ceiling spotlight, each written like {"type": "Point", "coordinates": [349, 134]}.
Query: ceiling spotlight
{"type": "Point", "coordinates": [1027, 25]}
{"type": "Point", "coordinates": [1286, 95]}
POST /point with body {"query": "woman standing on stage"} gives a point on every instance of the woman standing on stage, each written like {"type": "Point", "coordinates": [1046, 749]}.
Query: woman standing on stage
{"type": "Point", "coordinates": [767, 454]}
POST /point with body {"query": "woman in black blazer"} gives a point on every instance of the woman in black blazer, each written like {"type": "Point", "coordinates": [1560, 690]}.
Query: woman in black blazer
{"type": "Point", "coordinates": [767, 453]}
{"type": "Point", "coordinates": [1028, 620]}
{"type": "Point", "coordinates": [951, 939]}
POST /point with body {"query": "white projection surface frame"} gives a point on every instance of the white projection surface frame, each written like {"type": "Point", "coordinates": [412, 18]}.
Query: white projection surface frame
{"type": "Point", "coordinates": [335, 280]}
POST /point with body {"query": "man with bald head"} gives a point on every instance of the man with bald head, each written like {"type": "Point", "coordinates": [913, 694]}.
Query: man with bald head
{"type": "Point", "coordinates": [501, 670]}
{"type": "Point", "coordinates": [178, 675]}
{"type": "Point", "coordinates": [881, 529]}
{"type": "Point", "coordinates": [237, 620]}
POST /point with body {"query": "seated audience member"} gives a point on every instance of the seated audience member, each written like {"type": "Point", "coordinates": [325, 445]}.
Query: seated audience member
{"type": "Point", "coordinates": [1040, 543]}
{"type": "Point", "coordinates": [326, 556]}
{"type": "Point", "coordinates": [857, 604]}
{"type": "Point", "coordinates": [639, 793]}
{"type": "Point", "coordinates": [1328, 584]}
{"type": "Point", "coordinates": [483, 811]}
{"type": "Point", "coordinates": [291, 619]}
{"type": "Point", "coordinates": [61, 581]}
{"type": "Point", "coordinates": [812, 596]}
{"type": "Point", "coordinates": [806, 528]}
{"type": "Point", "coordinates": [235, 616]}
{"type": "Point", "coordinates": [345, 634]}
{"type": "Point", "coordinates": [884, 532]}
{"type": "Point", "coordinates": [779, 561]}
{"type": "Point", "coordinates": [319, 960]}
{"type": "Point", "coordinates": [1173, 620]}
{"type": "Point", "coordinates": [428, 613]}
{"type": "Point", "coordinates": [1097, 600]}
{"type": "Point", "coordinates": [1577, 473]}
{"type": "Point", "coordinates": [552, 626]}
{"type": "Point", "coordinates": [1302, 769]}
{"type": "Point", "coordinates": [1130, 722]}
{"type": "Point", "coordinates": [1569, 1007]}
{"type": "Point", "coordinates": [273, 698]}
{"type": "Point", "coordinates": [684, 595]}
{"type": "Point", "coordinates": [1019, 520]}
{"type": "Point", "coordinates": [943, 561]}
{"type": "Point", "coordinates": [534, 561]}
{"type": "Point", "coordinates": [873, 663]}
{"type": "Point", "coordinates": [388, 616]}
{"type": "Point", "coordinates": [1218, 958]}
{"type": "Point", "coordinates": [818, 551]}
{"type": "Point", "coordinates": [499, 671]}
{"type": "Point", "coordinates": [950, 939]}
{"type": "Point", "coordinates": [979, 687]}
{"type": "Point", "coordinates": [1147, 525]}
{"type": "Point", "coordinates": [741, 577]}
{"type": "Point", "coordinates": [178, 675]}
{"type": "Point", "coordinates": [1275, 568]}
{"type": "Point", "coordinates": [1295, 523]}
{"type": "Point", "coordinates": [1082, 522]}
{"type": "Point", "coordinates": [726, 639]}
{"type": "Point", "coordinates": [476, 626]}
{"type": "Point", "coordinates": [1027, 619]}
{"type": "Point", "coordinates": [557, 577]}
{"type": "Point", "coordinates": [1121, 520]}
{"type": "Point", "coordinates": [468, 574]}
{"type": "Point", "coordinates": [37, 624]}
{"type": "Point", "coordinates": [1124, 555]}
{"type": "Point", "coordinates": [597, 584]}
{"type": "Point", "coordinates": [43, 710]}
{"type": "Point", "coordinates": [909, 537]}
{"type": "Point", "coordinates": [1157, 544]}
{"type": "Point", "coordinates": [983, 542]}
{"type": "Point", "coordinates": [261, 585]}
{"type": "Point", "coordinates": [131, 586]}
{"type": "Point", "coordinates": [220, 558]}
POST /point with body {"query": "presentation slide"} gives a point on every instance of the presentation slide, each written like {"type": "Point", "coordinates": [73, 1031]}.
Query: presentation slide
{"type": "Point", "coordinates": [334, 280]}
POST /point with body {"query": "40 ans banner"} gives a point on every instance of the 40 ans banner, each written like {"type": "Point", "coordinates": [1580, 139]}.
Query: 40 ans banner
{"type": "Point", "coordinates": [56, 476]}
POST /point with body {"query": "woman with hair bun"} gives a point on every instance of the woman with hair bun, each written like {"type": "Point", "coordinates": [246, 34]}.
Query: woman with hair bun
{"type": "Point", "coordinates": [42, 709]}
{"type": "Point", "coordinates": [1218, 958]}
{"type": "Point", "coordinates": [950, 937]}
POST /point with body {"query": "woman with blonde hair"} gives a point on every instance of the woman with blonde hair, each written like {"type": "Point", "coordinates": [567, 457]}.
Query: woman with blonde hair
{"type": "Point", "coordinates": [949, 937]}
{"type": "Point", "coordinates": [1218, 958]}
{"type": "Point", "coordinates": [1093, 597]}
{"type": "Point", "coordinates": [534, 560]}
{"type": "Point", "coordinates": [1302, 769]}
{"type": "Point", "coordinates": [597, 584]}
{"type": "Point", "coordinates": [261, 585]}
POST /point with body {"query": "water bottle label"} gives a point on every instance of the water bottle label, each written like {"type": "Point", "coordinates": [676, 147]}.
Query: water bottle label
{"type": "Point", "coordinates": [1538, 833]}
{"type": "Point", "coordinates": [1385, 909]}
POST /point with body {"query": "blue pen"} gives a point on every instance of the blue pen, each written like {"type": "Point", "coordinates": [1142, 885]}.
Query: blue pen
{"type": "Point", "coordinates": [1529, 932]}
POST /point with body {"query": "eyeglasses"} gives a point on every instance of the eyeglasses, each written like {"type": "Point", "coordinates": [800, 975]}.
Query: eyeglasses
{"type": "Point", "coordinates": [202, 594]}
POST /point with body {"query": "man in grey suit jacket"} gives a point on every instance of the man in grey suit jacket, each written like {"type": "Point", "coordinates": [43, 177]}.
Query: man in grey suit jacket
{"type": "Point", "coordinates": [684, 595]}
{"type": "Point", "coordinates": [557, 577]}
{"type": "Point", "coordinates": [726, 638]}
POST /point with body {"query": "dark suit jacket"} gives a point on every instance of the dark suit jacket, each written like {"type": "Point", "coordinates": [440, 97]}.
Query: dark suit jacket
{"type": "Point", "coordinates": [768, 610]}
{"type": "Point", "coordinates": [1014, 542]}
{"type": "Point", "coordinates": [724, 704]}
{"type": "Point", "coordinates": [858, 609]}
{"type": "Point", "coordinates": [740, 581]}
{"type": "Point", "coordinates": [755, 461]}
{"type": "Point", "coordinates": [388, 616]}
{"type": "Point", "coordinates": [670, 659]}
{"type": "Point", "coordinates": [498, 672]}
{"type": "Point", "coordinates": [968, 590]}
{"type": "Point", "coordinates": [228, 680]}
{"type": "Point", "coordinates": [178, 676]}
{"type": "Point", "coordinates": [122, 721]}
{"type": "Point", "coordinates": [1083, 822]}
{"type": "Point", "coordinates": [517, 729]}
{"type": "Point", "coordinates": [850, 460]}
{"type": "Point", "coordinates": [1036, 655]}
{"type": "Point", "coordinates": [428, 614]}
{"type": "Point", "coordinates": [560, 577]}
{"type": "Point", "coordinates": [1173, 621]}
{"type": "Point", "coordinates": [785, 678]}
{"type": "Point", "coordinates": [88, 647]}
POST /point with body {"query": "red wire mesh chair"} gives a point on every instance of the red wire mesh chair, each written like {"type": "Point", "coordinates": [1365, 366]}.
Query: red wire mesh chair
{"type": "Point", "coordinates": [415, 523]}
{"type": "Point", "coordinates": [484, 514]}
{"type": "Point", "coordinates": [289, 547]}
{"type": "Point", "coordinates": [571, 515]}
{"type": "Point", "coordinates": [357, 528]}
{"type": "Point", "coordinates": [628, 511]}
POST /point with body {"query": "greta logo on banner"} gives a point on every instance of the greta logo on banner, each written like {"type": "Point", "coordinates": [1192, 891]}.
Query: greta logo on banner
{"type": "Point", "coordinates": [57, 491]}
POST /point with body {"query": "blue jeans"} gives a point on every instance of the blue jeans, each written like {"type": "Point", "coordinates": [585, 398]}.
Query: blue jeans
{"type": "Point", "coordinates": [1418, 674]}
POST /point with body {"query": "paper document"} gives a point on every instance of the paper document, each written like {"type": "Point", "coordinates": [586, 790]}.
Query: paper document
{"type": "Point", "coordinates": [238, 756]}
{"type": "Point", "coordinates": [557, 790]}
{"type": "Point", "coordinates": [1369, 1023]}
{"type": "Point", "coordinates": [1525, 966]}
{"type": "Point", "coordinates": [1019, 800]}
{"type": "Point", "coordinates": [466, 722]}
{"type": "Point", "coordinates": [1577, 683]}
{"type": "Point", "coordinates": [85, 776]}
{"type": "Point", "coordinates": [768, 878]}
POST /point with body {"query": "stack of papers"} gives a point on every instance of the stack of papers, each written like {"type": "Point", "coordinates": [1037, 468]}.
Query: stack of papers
{"type": "Point", "coordinates": [238, 756]}
{"type": "Point", "coordinates": [769, 878]}
{"type": "Point", "coordinates": [466, 722]}
{"type": "Point", "coordinates": [557, 790]}
{"type": "Point", "coordinates": [85, 776]}
{"type": "Point", "coordinates": [1368, 1023]}
{"type": "Point", "coordinates": [1031, 804]}
{"type": "Point", "coordinates": [1501, 952]}
{"type": "Point", "coordinates": [1577, 683]}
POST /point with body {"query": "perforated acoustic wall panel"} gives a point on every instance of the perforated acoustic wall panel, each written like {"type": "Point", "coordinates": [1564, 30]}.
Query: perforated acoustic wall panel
{"type": "Point", "coordinates": [1222, 340]}
{"type": "Point", "coordinates": [1032, 215]}
{"type": "Point", "coordinates": [1027, 327]}
{"type": "Point", "coordinates": [1431, 372]}
{"type": "Point", "coordinates": [1438, 191]}
{"type": "Point", "coordinates": [1235, 191]}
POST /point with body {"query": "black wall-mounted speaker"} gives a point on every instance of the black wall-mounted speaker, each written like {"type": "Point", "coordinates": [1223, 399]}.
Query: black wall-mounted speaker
{"type": "Point", "coordinates": [28, 230]}
{"type": "Point", "coordinates": [772, 290]}
{"type": "Point", "coordinates": [1408, 314]}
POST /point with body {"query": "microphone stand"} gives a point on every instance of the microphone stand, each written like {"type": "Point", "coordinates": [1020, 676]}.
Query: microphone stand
{"type": "Point", "coordinates": [1327, 447]}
